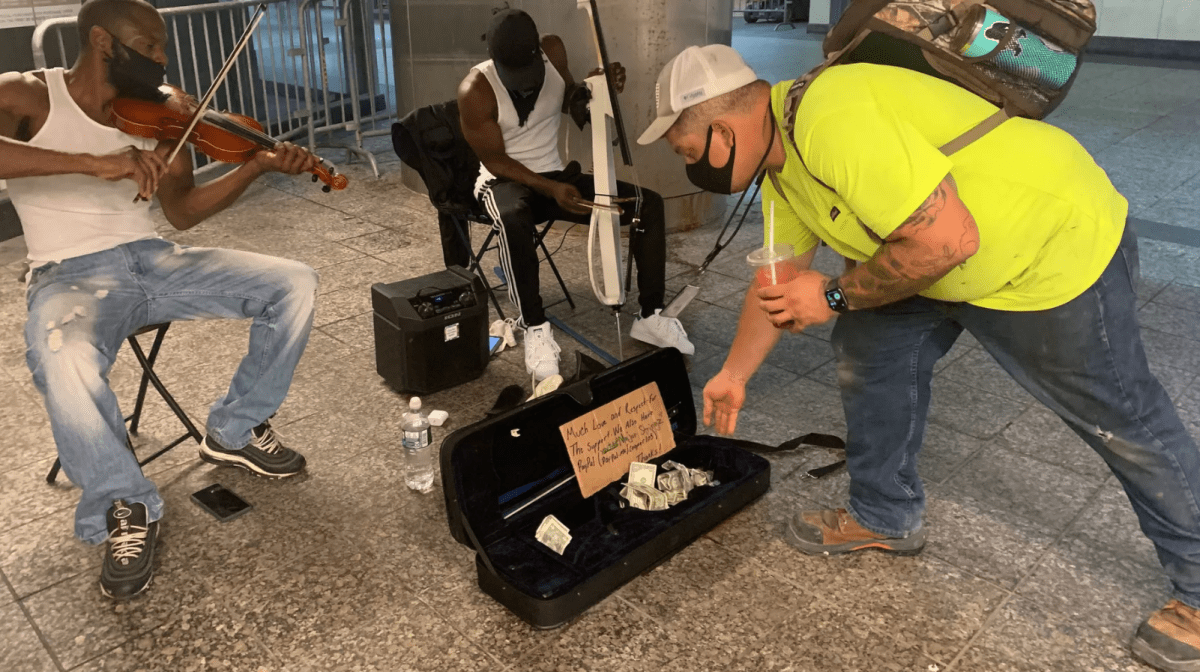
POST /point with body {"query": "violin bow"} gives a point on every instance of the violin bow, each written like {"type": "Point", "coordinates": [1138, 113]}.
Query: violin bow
{"type": "Point", "coordinates": [259, 13]}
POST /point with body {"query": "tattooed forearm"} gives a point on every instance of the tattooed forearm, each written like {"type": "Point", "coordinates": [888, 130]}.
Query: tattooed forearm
{"type": "Point", "coordinates": [939, 235]}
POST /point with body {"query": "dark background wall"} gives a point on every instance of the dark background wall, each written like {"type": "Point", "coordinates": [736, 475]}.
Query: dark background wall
{"type": "Point", "coordinates": [15, 54]}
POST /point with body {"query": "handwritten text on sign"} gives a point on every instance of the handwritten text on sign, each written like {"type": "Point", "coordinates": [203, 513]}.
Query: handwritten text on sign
{"type": "Point", "coordinates": [602, 443]}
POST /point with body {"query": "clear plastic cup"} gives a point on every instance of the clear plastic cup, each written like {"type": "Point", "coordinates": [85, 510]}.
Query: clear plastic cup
{"type": "Point", "coordinates": [774, 264]}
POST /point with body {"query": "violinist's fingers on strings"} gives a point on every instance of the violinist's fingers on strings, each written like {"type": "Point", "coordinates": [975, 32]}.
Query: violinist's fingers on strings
{"type": "Point", "coordinates": [293, 158]}
{"type": "Point", "coordinates": [153, 163]}
{"type": "Point", "coordinates": [310, 161]}
{"type": "Point", "coordinates": [145, 180]}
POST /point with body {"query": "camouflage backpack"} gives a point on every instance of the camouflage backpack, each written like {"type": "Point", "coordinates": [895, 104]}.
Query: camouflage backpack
{"type": "Point", "coordinates": [1020, 55]}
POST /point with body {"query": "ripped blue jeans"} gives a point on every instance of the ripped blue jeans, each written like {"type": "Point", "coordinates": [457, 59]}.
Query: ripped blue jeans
{"type": "Point", "coordinates": [1084, 360]}
{"type": "Point", "coordinates": [82, 309]}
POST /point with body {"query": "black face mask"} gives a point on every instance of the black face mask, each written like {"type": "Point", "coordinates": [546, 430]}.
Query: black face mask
{"type": "Point", "coordinates": [133, 75]}
{"type": "Point", "coordinates": [524, 101]}
{"type": "Point", "coordinates": [720, 180]}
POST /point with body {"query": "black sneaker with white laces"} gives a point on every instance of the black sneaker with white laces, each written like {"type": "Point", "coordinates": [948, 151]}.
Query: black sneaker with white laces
{"type": "Point", "coordinates": [129, 558]}
{"type": "Point", "coordinates": [264, 455]}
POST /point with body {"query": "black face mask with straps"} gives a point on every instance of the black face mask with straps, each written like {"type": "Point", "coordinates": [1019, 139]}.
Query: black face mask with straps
{"type": "Point", "coordinates": [720, 180]}
{"type": "Point", "coordinates": [133, 75]}
{"type": "Point", "coordinates": [524, 102]}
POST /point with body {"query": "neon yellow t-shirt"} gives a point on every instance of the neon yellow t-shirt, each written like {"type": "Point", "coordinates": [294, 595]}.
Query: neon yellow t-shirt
{"type": "Point", "coordinates": [1049, 218]}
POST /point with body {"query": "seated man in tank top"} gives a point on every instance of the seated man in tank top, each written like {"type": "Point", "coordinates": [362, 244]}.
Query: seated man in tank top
{"type": "Point", "coordinates": [99, 272]}
{"type": "Point", "coordinates": [511, 107]}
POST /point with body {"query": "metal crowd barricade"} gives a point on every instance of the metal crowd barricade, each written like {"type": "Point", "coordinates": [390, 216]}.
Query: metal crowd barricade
{"type": "Point", "coordinates": [348, 62]}
{"type": "Point", "coordinates": [272, 81]}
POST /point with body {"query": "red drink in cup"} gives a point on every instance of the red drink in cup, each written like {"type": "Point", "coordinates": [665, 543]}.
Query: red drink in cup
{"type": "Point", "coordinates": [774, 265]}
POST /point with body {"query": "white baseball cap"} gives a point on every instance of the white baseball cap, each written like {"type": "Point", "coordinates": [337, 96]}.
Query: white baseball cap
{"type": "Point", "coordinates": [697, 74]}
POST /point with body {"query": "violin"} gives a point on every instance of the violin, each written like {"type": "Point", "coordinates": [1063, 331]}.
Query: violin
{"type": "Point", "coordinates": [222, 136]}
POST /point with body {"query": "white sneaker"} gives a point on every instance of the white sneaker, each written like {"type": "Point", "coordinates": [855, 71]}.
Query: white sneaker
{"type": "Point", "coordinates": [662, 331]}
{"type": "Point", "coordinates": [541, 352]}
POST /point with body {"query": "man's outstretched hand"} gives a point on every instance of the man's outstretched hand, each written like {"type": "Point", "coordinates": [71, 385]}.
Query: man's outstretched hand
{"type": "Point", "coordinates": [724, 396]}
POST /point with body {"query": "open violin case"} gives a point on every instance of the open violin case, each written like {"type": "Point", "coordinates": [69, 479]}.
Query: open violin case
{"type": "Point", "coordinates": [503, 475]}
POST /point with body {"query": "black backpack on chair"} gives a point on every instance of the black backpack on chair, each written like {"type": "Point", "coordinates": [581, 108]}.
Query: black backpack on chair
{"type": "Point", "coordinates": [430, 141]}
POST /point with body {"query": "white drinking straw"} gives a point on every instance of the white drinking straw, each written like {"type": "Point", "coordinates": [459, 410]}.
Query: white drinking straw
{"type": "Point", "coordinates": [771, 241]}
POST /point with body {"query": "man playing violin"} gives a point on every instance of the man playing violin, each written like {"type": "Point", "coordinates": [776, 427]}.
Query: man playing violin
{"type": "Point", "coordinates": [99, 272]}
{"type": "Point", "coordinates": [510, 108]}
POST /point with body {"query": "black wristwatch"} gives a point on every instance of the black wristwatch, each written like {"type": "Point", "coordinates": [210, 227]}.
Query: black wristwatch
{"type": "Point", "coordinates": [835, 297]}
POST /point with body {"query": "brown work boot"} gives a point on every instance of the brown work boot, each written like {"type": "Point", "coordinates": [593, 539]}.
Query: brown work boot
{"type": "Point", "coordinates": [833, 532]}
{"type": "Point", "coordinates": [1170, 639]}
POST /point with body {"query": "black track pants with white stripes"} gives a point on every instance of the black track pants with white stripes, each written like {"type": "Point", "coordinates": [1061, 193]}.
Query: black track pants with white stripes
{"type": "Point", "coordinates": [517, 210]}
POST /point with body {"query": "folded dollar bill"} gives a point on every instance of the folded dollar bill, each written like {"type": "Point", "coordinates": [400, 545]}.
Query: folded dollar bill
{"type": "Point", "coordinates": [636, 498]}
{"type": "Point", "coordinates": [554, 534]}
{"type": "Point", "coordinates": [644, 497]}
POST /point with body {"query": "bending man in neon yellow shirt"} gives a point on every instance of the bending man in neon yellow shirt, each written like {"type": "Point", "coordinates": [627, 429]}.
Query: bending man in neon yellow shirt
{"type": "Point", "coordinates": [1019, 238]}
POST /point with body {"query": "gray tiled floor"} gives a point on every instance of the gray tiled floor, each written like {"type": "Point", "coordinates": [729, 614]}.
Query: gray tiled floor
{"type": "Point", "coordinates": [1034, 562]}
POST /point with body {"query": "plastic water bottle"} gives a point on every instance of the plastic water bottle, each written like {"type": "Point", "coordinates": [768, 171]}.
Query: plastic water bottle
{"type": "Point", "coordinates": [418, 448]}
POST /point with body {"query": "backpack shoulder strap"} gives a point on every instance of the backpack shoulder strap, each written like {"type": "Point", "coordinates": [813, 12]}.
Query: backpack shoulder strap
{"type": "Point", "coordinates": [791, 102]}
{"type": "Point", "coordinates": [976, 132]}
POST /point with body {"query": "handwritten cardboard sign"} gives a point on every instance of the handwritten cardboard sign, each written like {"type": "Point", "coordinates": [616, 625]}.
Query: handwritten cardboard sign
{"type": "Point", "coordinates": [603, 442]}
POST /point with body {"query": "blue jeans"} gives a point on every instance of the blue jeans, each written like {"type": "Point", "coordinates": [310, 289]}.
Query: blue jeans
{"type": "Point", "coordinates": [82, 309]}
{"type": "Point", "coordinates": [1084, 360]}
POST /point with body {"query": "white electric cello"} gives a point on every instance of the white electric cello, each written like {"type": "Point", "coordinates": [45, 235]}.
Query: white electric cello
{"type": "Point", "coordinates": [608, 131]}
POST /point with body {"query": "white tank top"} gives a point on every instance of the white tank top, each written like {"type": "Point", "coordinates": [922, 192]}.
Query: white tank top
{"type": "Point", "coordinates": [534, 145]}
{"type": "Point", "coordinates": [66, 216]}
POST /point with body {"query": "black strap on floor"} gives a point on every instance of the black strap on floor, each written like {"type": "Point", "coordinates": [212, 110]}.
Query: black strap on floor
{"type": "Point", "coordinates": [813, 440]}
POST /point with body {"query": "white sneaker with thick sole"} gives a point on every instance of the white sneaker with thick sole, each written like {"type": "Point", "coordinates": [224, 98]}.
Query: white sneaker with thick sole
{"type": "Point", "coordinates": [665, 332]}
{"type": "Point", "coordinates": [541, 352]}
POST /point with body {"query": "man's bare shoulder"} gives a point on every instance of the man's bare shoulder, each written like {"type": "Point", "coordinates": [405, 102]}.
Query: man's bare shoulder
{"type": "Point", "coordinates": [473, 85]}
{"type": "Point", "coordinates": [475, 95]}
{"type": "Point", "coordinates": [23, 92]}
{"type": "Point", "coordinates": [556, 51]}
{"type": "Point", "coordinates": [24, 104]}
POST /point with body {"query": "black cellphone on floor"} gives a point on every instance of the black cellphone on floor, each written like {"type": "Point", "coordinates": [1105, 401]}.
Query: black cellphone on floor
{"type": "Point", "coordinates": [221, 502]}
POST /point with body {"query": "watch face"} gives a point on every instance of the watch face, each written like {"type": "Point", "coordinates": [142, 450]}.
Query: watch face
{"type": "Point", "coordinates": [836, 300]}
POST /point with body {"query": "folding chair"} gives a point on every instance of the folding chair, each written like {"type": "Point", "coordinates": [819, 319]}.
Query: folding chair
{"type": "Point", "coordinates": [430, 141]}
{"type": "Point", "coordinates": [490, 242]}
{"type": "Point", "coordinates": [149, 377]}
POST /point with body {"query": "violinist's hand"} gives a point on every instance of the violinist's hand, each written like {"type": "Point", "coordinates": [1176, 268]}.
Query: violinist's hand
{"type": "Point", "coordinates": [145, 168]}
{"type": "Point", "coordinates": [286, 158]}
{"type": "Point", "coordinates": [618, 76]}
{"type": "Point", "coordinates": [797, 304]}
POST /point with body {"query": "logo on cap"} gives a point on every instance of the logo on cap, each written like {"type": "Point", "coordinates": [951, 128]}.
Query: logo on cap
{"type": "Point", "coordinates": [692, 95]}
